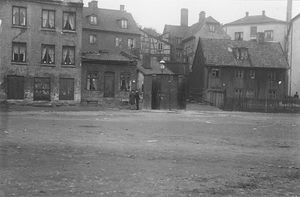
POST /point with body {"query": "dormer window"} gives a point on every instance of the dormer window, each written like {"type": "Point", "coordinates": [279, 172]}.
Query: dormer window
{"type": "Point", "coordinates": [93, 20]}
{"type": "Point", "coordinates": [240, 53]}
{"type": "Point", "coordinates": [124, 24]}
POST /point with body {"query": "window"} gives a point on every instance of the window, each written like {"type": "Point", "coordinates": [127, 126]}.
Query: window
{"type": "Point", "coordinates": [272, 76]}
{"type": "Point", "coordinates": [178, 40]}
{"type": "Point", "coordinates": [91, 83]}
{"type": "Point", "coordinates": [252, 74]}
{"type": "Point", "coordinates": [239, 74]}
{"type": "Point", "coordinates": [250, 93]}
{"type": "Point", "coordinates": [269, 35]}
{"type": "Point", "coordinates": [68, 55]}
{"type": "Point", "coordinates": [240, 53]}
{"type": "Point", "coordinates": [18, 52]}
{"type": "Point", "coordinates": [238, 35]}
{"type": "Point", "coordinates": [118, 42]}
{"type": "Point", "coordinates": [66, 89]}
{"type": "Point", "coordinates": [160, 46]}
{"type": "Point", "coordinates": [124, 24]}
{"type": "Point", "coordinates": [19, 16]}
{"type": "Point", "coordinates": [15, 87]}
{"type": "Point", "coordinates": [93, 20]}
{"type": "Point", "coordinates": [69, 21]}
{"type": "Point", "coordinates": [48, 19]}
{"type": "Point", "coordinates": [131, 43]}
{"type": "Point", "coordinates": [48, 54]}
{"type": "Point", "coordinates": [272, 94]}
{"type": "Point", "coordinates": [238, 92]}
{"type": "Point", "coordinates": [215, 73]}
{"type": "Point", "coordinates": [253, 31]}
{"type": "Point", "coordinates": [125, 82]}
{"type": "Point", "coordinates": [93, 39]}
{"type": "Point", "coordinates": [212, 27]}
{"type": "Point", "coordinates": [41, 89]}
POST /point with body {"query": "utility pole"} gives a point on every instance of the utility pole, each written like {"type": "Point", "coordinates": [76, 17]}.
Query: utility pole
{"type": "Point", "coordinates": [288, 42]}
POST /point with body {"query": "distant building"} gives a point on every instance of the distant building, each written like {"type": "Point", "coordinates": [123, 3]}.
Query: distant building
{"type": "Point", "coordinates": [237, 74]}
{"type": "Point", "coordinates": [248, 27]}
{"type": "Point", "coordinates": [294, 51]}
{"type": "Point", "coordinates": [184, 38]}
{"type": "Point", "coordinates": [110, 48]}
{"type": "Point", "coordinates": [40, 44]}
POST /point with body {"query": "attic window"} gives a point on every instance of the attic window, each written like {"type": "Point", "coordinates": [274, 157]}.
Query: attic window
{"type": "Point", "coordinates": [215, 73]}
{"type": "Point", "coordinates": [93, 20]}
{"type": "Point", "coordinates": [240, 53]}
{"type": "Point", "coordinates": [124, 24]}
{"type": "Point", "coordinates": [212, 27]}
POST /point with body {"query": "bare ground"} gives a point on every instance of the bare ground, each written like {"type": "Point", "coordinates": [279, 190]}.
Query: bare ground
{"type": "Point", "coordinates": [129, 153]}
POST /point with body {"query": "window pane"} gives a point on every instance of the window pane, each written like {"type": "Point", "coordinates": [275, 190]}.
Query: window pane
{"type": "Point", "coordinates": [45, 19]}
{"type": "Point", "coordinates": [22, 16]}
{"type": "Point", "coordinates": [16, 16]}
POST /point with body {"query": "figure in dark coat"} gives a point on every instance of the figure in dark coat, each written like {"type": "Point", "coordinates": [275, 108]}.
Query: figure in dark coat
{"type": "Point", "coordinates": [137, 99]}
{"type": "Point", "coordinates": [131, 99]}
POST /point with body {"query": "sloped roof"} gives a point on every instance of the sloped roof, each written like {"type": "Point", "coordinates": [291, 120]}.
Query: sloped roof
{"type": "Point", "coordinates": [108, 20]}
{"type": "Point", "coordinates": [105, 57]}
{"type": "Point", "coordinates": [176, 30]}
{"type": "Point", "coordinates": [256, 19]}
{"type": "Point", "coordinates": [157, 36]}
{"type": "Point", "coordinates": [218, 52]}
{"type": "Point", "coordinates": [155, 69]}
{"type": "Point", "coordinates": [296, 17]}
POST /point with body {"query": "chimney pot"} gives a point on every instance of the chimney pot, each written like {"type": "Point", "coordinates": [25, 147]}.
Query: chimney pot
{"type": "Point", "coordinates": [122, 7]}
{"type": "Point", "coordinates": [93, 4]}
{"type": "Point", "coordinates": [247, 14]}
{"type": "Point", "coordinates": [264, 13]}
{"type": "Point", "coordinates": [202, 16]}
{"type": "Point", "coordinates": [184, 20]}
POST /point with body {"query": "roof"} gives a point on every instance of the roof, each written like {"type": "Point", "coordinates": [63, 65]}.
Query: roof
{"type": "Point", "coordinates": [105, 57]}
{"type": "Point", "coordinates": [176, 30]}
{"type": "Point", "coordinates": [218, 52]}
{"type": "Point", "coordinates": [156, 36]}
{"type": "Point", "coordinates": [296, 17]}
{"type": "Point", "coordinates": [256, 19]}
{"type": "Point", "coordinates": [108, 20]}
{"type": "Point", "coordinates": [155, 69]}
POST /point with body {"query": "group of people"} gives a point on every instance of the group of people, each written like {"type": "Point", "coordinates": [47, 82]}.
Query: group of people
{"type": "Point", "coordinates": [134, 99]}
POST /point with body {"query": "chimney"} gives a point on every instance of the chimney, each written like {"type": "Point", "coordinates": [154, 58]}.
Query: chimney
{"type": "Point", "coordinates": [184, 20]}
{"type": "Point", "coordinates": [202, 17]}
{"type": "Point", "coordinates": [260, 38]}
{"type": "Point", "coordinates": [122, 7]}
{"type": "Point", "coordinates": [264, 13]}
{"type": "Point", "coordinates": [247, 14]}
{"type": "Point", "coordinates": [289, 10]}
{"type": "Point", "coordinates": [93, 4]}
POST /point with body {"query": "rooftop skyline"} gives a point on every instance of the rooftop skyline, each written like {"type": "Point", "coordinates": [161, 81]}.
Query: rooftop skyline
{"type": "Point", "coordinates": [157, 13]}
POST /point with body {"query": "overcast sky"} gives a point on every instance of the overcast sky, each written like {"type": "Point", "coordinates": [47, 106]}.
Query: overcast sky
{"type": "Point", "coordinates": [157, 13]}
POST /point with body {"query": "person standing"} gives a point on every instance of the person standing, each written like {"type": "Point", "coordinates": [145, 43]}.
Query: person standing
{"type": "Point", "coordinates": [131, 99]}
{"type": "Point", "coordinates": [137, 99]}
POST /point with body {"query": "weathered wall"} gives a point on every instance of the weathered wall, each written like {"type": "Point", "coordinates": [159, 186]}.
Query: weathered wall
{"type": "Point", "coordinates": [33, 35]}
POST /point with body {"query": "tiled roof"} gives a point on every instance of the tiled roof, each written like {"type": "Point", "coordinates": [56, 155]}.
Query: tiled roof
{"type": "Point", "coordinates": [218, 52]}
{"type": "Point", "coordinates": [257, 19]}
{"type": "Point", "coordinates": [176, 30]}
{"type": "Point", "coordinates": [108, 20]}
{"type": "Point", "coordinates": [155, 69]}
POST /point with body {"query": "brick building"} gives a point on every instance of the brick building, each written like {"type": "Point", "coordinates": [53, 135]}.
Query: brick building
{"type": "Point", "coordinates": [40, 44]}
{"type": "Point", "coordinates": [237, 74]}
{"type": "Point", "coordinates": [110, 48]}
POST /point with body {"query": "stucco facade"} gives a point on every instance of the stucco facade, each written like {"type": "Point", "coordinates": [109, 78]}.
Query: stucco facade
{"type": "Point", "coordinates": [294, 57]}
{"type": "Point", "coordinates": [38, 80]}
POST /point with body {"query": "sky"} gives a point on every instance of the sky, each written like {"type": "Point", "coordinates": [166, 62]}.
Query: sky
{"type": "Point", "coordinates": [157, 13]}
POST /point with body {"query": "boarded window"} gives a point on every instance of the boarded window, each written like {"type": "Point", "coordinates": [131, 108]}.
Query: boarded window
{"type": "Point", "coordinates": [48, 54]}
{"type": "Point", "coordinates": [41, 89]}
{"type": "Point", "coordinates": [92, 81]}
{"type": "Point", "coordinates": [48, 19]}
{"type": "Point", "coordinates": [18, 52]}
{"type": "Point", "coordinates": [15, 87]}
{"type": "Point", "coordinates": [68, 55]}
{"type": "Point", "coordinates": [19, 16]}
{"type": "Point", "coordinates": [69, 21]}
{"type": "Point", "coordinates": [66, 89]}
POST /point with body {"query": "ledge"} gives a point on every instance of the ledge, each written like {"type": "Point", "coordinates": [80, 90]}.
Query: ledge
{"type": "Point", "coordinates": [69, 32]}
{"type": "Point", "coordinates": [20, 63]}
{"type": "Point", "coordinates": [48, 30]}
{"type": "Point", "coordinates": [48, 65]}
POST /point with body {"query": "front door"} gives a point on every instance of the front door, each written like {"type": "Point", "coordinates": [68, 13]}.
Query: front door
{"type": "Point", "coordinates": [156, 90]}
{"type": "Point", "coordinates": [15, 87]}
{"type": "Point", "coordinates": [66, 89]}
{"type": "Point", "coordinates": [109, 84]}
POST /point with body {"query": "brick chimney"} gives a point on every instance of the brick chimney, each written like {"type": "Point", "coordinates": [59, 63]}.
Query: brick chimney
{"type": "Point", "coordinates": [93, 4]}
{"type": "Point", "coordinates": [260, 38]}
{"type": "Point", "coordinates": [122, 7]}
{"type": "Point", "coordinates": [289, 10]}
{"type": "Point", "coordinates": [184, 19]}
{"type": "Point", "coordinates": [202, 16]}
{"type": "Point", "coordinates": [247, 14]}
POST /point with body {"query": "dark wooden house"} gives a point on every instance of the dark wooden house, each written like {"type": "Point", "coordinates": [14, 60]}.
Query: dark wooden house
{"type": "Point", "coordinates": [249, 75]}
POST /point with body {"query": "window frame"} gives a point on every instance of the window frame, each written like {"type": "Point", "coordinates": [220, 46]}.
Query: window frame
{"type": "Point", "coordinates": [19, 24]}
{"type": "Point", "coordinates": [238, 92]}
{"type": "Point", "coordinates": [68, 47]}
{"type": "Point", "coordinates": [212, 27]}
{"type": "Point", "coordinates": [252, 74]}
{"type": "Point", "coordinates": [271, 33]}
{"type": "Point", "coordinates": [47, 46]}
{"type": "Point", "coordinates": [48, 21]}
{"type": "Point", "coordinates": [124, 23]}
{"type": "Point", "coordinates": [94, 77]}
{"type": "Point", "coordinates": [93, 22]}
{"type": "Point", "coordinates": [239, 74]}
{"type": "Point", "coordinates": [35, 89]}
{"type": "Point", "coordinates": [68, 12]}
{"type": "Point", "coordinates": [251, 31]}
{"type": "Point", "coordinates": [215, 73]}
{"type": "Point", "coordinates": [240, 37]}
{"type": "Point", "coordinates": [131, 43]}
{"type": "Point", "coordinates": [118, 42]}
{"type": "Point", "coordinates": [94, 39]}
{"type": "Point", "coordinates": [12, 51]}
{"type": "Point", "coordinates": [127, 77]}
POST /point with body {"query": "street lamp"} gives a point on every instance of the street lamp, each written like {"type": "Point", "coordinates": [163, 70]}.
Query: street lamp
{"type": "Point", "coordinates": [162, 65]}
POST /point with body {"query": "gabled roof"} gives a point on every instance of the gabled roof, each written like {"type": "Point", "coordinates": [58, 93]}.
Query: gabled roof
{"type": "Point", "coordinates": [156, 36]}
{"type": "Point", "coordinates": [176, 30]}
{"type": "Point", "coordinates": [108, 20]}
{"type": "Point", "coordinates": [218, 52]}
{"type": "Point", "coordinates": [256, 19]}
